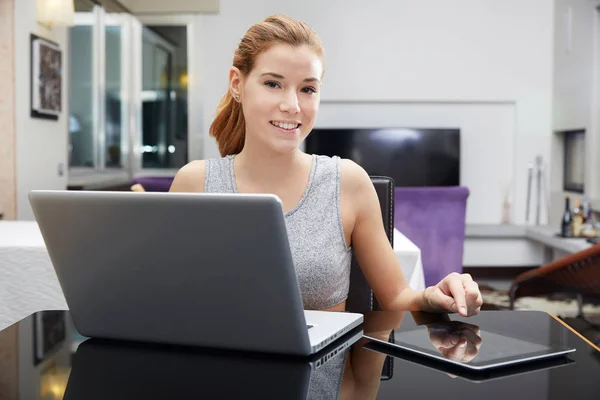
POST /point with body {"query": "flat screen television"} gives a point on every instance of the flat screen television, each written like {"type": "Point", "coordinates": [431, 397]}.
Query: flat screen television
{"type": "Point", "coordinates": [412, 157]}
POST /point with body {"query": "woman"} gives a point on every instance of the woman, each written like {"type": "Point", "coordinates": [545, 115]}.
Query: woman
{"type": "Point", "coordinates": [331, 207]}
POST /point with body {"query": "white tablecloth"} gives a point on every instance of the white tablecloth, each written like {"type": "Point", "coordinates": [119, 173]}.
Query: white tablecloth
{"type": "Point", "coordinates": [29, 284]}
{"type": "Point", "coordinates": [409, 256]}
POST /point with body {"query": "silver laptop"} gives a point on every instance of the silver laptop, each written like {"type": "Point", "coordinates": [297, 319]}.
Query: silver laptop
{"type": "Point", "coordinates": [199, 269]}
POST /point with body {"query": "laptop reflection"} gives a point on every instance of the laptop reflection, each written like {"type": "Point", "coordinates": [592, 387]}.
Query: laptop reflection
{"type": "Point", "coordinates": [103, 369]}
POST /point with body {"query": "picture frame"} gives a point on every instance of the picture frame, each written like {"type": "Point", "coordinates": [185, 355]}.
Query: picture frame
{"type": "Point", "coordinates": [49, 333]}
{"type": "Point", "coordinates": [46, 78]}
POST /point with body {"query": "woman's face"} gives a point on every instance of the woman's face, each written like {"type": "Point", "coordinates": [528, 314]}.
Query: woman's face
{"type": "Point", "coordinates": [280, 96]}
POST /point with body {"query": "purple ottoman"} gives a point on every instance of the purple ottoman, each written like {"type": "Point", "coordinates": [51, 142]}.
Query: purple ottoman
{"type": "Point", "coordinates": [434, 219]}
{"type": "Point", "coordinates": [154, 183]}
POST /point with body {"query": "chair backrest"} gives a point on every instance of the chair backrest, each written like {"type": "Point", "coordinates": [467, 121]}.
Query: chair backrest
{"type": "Point", "coordinates": [433, 218]}
{"type": "Point", "coordinates": [578, 272]}
{"type": "Point", "coordinates": [360, 297]}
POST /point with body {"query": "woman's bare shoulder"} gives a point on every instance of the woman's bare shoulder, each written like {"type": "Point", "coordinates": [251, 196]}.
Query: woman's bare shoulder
{"type": "Point", "coordinates": [190, 178]}
{"type": "Point", "coordinates": [356, 187]}
{"type": "Point", "coordinates": [354, 178]}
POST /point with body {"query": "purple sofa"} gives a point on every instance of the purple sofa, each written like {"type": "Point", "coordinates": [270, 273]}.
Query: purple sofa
{"type": "Point", "coordinates": [154, 183]}
{"type": "Point", "coordinates": [434, 219]}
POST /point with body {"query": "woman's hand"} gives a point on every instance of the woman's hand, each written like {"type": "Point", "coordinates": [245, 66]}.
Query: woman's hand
{"type": "Point", "coordinates": [454, 293]}
{"type": "Point", "coordinates": [456, 341]}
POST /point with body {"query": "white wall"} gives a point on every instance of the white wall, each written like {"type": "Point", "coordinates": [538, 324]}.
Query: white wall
{"type": "Point", "coordinates": [7, 113]}
{"type": "Point", "coordinates": [496, 120]}
{"type": "Point", "coordinates": [171, 6]}
{"type": "Point", "coordinates": [41, 145]}
{"type": "Point", "coordinates": [430, 54]}
{"type": "Point", "coordinates": [573, 63]}
{"type": "Point", "coordinates": [576, 87]}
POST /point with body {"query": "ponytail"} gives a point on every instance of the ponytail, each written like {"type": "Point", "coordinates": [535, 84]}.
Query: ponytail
{"type": "Point", "coordinates": [228, 127]}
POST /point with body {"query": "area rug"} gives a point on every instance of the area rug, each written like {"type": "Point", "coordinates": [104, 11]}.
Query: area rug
{"type": "Point", "coordinates": [559, 305]}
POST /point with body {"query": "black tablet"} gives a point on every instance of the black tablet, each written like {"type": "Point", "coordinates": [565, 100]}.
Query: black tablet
{"type": "Point", "coordinates": [475, 376]}
{"type": "Point", "coordinates": [491, 339]}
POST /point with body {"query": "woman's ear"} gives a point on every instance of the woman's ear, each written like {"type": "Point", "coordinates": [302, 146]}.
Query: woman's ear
{"type": "Point", "coordinates": [235, 83]}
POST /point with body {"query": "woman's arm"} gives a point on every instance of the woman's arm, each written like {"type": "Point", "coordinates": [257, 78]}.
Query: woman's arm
{"type": "Point", "coordinates": [362, 373]}
{"type": "Point", "coordinates": [455, 293]}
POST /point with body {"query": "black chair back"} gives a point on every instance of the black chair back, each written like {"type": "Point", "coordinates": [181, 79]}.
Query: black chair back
{"type": "Point", "coordinates": [360, 297]}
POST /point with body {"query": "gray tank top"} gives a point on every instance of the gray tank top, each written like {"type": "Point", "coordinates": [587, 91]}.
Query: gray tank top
{"type": "Point", "coordinates": [314, 227]}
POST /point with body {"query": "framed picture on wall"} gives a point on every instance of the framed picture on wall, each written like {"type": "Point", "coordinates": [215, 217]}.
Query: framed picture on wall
{"type": "Point", "coordinates": [46, 78]}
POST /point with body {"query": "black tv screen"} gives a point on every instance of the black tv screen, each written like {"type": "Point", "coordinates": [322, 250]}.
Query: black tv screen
{"type": "Point", "coordinates": [412, 157]}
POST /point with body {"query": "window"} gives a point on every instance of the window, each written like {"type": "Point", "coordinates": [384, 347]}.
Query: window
{"type": "Point", "coordinates": [97, 140]}
{"type": "Point", "coordinates": [116, 143]}
{"type": "Point", "coordinates": [128, 96]}
{"type": "Point", "coordinates": [574, 161]}
{"type": "Point", "coordinates": [81, 117]}
{"type": "Point", "coordinates": [164, 97]}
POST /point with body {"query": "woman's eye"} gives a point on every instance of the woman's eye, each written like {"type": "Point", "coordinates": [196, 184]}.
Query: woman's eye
{"type": "Point", "coordinates": [310, 90]}
{"type": "Point", "coordinates": [272, 84]}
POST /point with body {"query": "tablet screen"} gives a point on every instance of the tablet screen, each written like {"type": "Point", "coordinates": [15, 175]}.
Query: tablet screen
{"type": "Point", "coordinates": [509, 339]}
{"type": "Point", "coordinates": [493, 346]}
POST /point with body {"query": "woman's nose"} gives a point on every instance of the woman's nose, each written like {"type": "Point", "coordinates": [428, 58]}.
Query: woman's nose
{"type": "Point", "coordinates": [289, 103]}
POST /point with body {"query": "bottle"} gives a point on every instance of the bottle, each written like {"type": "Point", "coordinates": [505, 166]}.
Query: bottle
{"type": "Point", "coordinates": [588, 230]}
{"type": "Point", "coordinates": [506, 210]}
{"type": "Point", "coordinates": [566, 226]}
{"type": "Point", "coordinates": [577, 219]}
{"type": "Point", "coordinates": [587, 211]}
